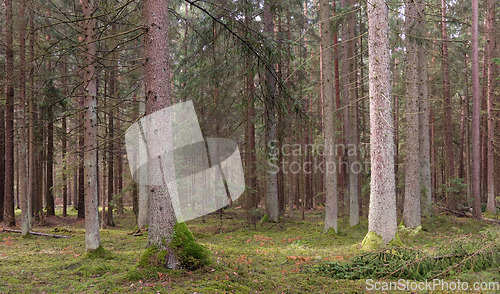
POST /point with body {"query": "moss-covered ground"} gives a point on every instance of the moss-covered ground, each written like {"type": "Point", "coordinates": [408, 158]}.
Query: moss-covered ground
{"type": "Point", "coordinates": [267, 258]}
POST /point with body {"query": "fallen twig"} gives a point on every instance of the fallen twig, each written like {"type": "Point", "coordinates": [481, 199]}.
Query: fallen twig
{"type": "Point", "coordinates": [37, 233]}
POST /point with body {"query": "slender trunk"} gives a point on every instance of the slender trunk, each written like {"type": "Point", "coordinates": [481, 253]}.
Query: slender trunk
{"type": "Point", "coordinates": [338, 104]}
{"type": "Point", "coordinates": [411, 212]}
{"type": "Point", "coordinates": [9, 216]}
{"type": "Point", "coordinates": [272, 207]}
{"type": "Point", "coordinates": [352, 135]}
{"type": "Point", "coordinates": [250, 161]}
{"type": "Point", "coordinates": [92, 236]}
{"type": "Point", "coordinates": [423, 119]}
{"type": "Point", "coordinates": [109, 216]}
{"type": "Point", "coordinates": [64, 144]}
{"type": "Point", "coordinates": [448, 131]}
{"type": "Point", "coordinates": [476, 109]}
{"type": "Point", "coordinates": [22, 171]}
{"type": "Point", "coordinates": [382, 215]}
{"type": "Point", "coordinates": [345, 103]}
{"type": "Point", "coordinates": [49, 186]}
{"type": "Point", "coordinates": [490, 45]}
{"type": "Point", "coordinates": [328, 127]}
{"type": "Point", "coordinates": [31, 147]}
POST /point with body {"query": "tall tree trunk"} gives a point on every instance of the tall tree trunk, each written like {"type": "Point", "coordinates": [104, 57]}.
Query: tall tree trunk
{"type": "Point", "coordinates": [22, 172]}
{"type": "Point", "coordinates": [423, 119]}
{"type": "Point", "coordinates": [340, 151]}
{"type": "Point", "coordinates": [64, 141]}
{"type": "Point", "coordinates": [9, 216]}
{"type": "Point", "coordinates": [448, 126]}
{"type": "Point", "coordinates": [330, 172]}
{"type": "Point", "coordinates": [250, 162]}
{"type": "Point", "coordinates": [49, 186]}
{"type": "Point", "coordinates": [352, 134]}
{"type": "Point", "coordinates": [119, 166]}
{"type": "Point", "coordinates": [382, 215]}
{"type": "Point", "coordinates": [476, 110]}
{"type": "Point", "coordinates": [157, 86]}
{"type": "Point", "coordinates": [111, 85]}
{"type": "Point", "coordinates": [143, 213]}
{"type": "Point", "coordinates": [490, 45]}
{"type": "Point", "coordinates": [272, 207]}
{"type": "Point", "coordinates": [411, 212]}
{"type": "Point", "coordinates": [345, 103]}
{"type": "Point", "coordinates": [31, 147]}
{"type": "Point", "coordinates": [2, 162]}
{"type": "Point", "coordinates": [92, 236]}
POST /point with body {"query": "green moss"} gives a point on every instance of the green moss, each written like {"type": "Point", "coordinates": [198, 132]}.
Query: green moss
{"type": "Point", "coordinates": [415, 231]}
{"type": "Point", "coordinates": [331, 232]}
{"type": "Point", "coordinates": [265, 219]}
{"type": "Point", "coordinates": [396, 242]}
{"type": "Point", "coordinates": [191, 255]}
{"type": "Point", "coordinates": [100, 252]}
{"type": "Point", "coordinates": [149, 257]}
{"type": "Point", "coordinates": [372, 241]}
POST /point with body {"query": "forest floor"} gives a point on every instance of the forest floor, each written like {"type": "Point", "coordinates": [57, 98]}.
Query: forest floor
{"type": "Point", "coordinates": [268, 258]}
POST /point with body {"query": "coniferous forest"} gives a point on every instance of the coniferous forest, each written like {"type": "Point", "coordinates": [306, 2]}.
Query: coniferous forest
{"type": "Point", "coordinates": [184, 146]}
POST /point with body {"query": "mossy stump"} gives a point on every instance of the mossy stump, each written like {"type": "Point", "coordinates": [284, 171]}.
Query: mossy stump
{"type": "Point", "coordinates": [188, 254]}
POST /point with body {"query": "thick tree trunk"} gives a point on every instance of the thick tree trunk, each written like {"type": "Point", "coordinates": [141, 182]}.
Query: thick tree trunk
{"type": "Point", "coordinates": [411, 211]}
{"type": "Point", "coordinates": [490, 92]}
{"type": "Point", "coordinates": [92, 236]}
{"type": "Point", "coordinates": [476, 109]}
{"type": "Point", "coordinates": [9, 217]}
{"type": "Point", "coordinates": [157, 86]}
{"type": "Point", "coordinates": [329, 126]}
{"type": "Point", "coordinates": [382, 215]}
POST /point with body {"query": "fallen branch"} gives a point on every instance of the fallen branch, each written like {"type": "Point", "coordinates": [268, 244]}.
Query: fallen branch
{"type": "Point", "coordinates": [461, 262]}
{"type": "Point", "coordinates": [467, 214]}
{"type": "Point", "coordinates": [37, 233]}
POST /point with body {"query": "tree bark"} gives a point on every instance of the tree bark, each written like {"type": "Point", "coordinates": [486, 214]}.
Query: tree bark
{"type": "Point", "coordinates": [448, 126]}
{"type": "Point", "coordinates": [411, 211]}
{"type": "Point", "coordinates": [49, 186]}
{"type": "Point", "coordinates": [250, 162]}
{"type": "Point", "coordinates": [490, 92]}
{"type": "Point", "coordinates": [9, 216]}
{"type": "Point", "coordinates": [272, 205]}
{"type": "Point", "coordinates": [476, 109]}
{"type": "Point", "coordinates": [22, 172]}
{"type": "Point", "coordinates": [92, 236]}
{"type": "Point", "coordinates": [157, 86]}
{"type": "Point", "coordinates": [330, 172]}
{"type": "Point", "coordinates": [352, 134]}
{"type": "Point", "coordinates": [382, 214]}
{"type": "Point", "coordinates": [109, 215]}
{"type": "Point", "coordinates": [424, 140]}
